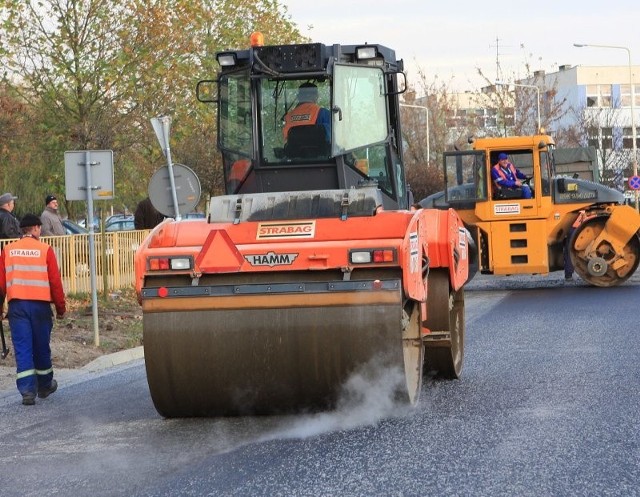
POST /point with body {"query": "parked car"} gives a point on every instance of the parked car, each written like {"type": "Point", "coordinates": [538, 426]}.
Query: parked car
{"type": "Point", "coordinates": [194, 215]}
{"type": "Point", "coordinates": [109, 220]}
{"type": "Point", "coordinates": [72, 228]}
{"type": "Point", "coordinates": [117, 217]}
{"type": "Point", "coordinates": [120, 224]}
{"type": "Point", "coordinates": [96, 223]}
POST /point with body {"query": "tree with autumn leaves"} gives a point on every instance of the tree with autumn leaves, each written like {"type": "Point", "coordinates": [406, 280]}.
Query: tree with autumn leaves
{"type": "Point", "coordinates": [90, 74]}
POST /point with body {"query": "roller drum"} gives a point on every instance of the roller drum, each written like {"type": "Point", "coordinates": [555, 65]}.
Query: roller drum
{"type": "Point", "coordinates": [218, 362]}
{"type": "Point", "coordinates": [602, 265]}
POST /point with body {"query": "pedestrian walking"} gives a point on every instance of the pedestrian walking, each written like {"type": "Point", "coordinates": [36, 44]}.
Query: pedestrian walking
{"type": "Point", "coordinates": [30, 281]}
{"type": "Point", "coordinates": [9, 225]}
{"type": "Point", "coordinates": [51, 222]}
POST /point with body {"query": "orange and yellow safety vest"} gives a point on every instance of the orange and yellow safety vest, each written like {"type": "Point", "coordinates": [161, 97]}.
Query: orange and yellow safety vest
{"type": "Point", "coordinates": [27, 275]}
{"type": "Point", "coordinates": [304, 114]}
{"type": "Point", "coordinates": [503, 175]}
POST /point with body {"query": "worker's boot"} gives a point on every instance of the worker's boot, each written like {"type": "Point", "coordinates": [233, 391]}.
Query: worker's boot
{"type": "Point", "coordinates": [28, 399]}
{"type": "Point", "coordinates": [43, 393]}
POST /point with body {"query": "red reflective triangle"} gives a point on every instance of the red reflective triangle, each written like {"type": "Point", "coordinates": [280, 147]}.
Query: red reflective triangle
{"type": "Point", "coordinates": [219, 254]}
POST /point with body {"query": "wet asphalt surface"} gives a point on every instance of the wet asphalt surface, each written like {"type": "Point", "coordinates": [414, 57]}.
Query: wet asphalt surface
{"type": "Point", "coordinates": [547, 406]}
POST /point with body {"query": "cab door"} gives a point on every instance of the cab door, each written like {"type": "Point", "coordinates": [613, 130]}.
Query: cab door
{"type": "Point", "coordinates": [516, 228]}
{"type": "Point", "coordinates": [510, 233]}
{"type": "Point", "coordinates": [466, 185]}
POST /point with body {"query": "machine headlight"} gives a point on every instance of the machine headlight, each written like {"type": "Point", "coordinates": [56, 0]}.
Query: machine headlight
{"type": "Point", "coordinates": [364, 53]}
{"type": "Point", "coordinates": [226, 59]}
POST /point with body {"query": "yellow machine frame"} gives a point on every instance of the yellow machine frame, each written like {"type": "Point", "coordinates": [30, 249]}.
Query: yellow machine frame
{"type": "Point", "coordinates": [567, 222]}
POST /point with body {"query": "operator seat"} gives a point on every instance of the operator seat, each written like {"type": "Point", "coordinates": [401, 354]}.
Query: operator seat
{"type": "Point", "coordinates": [307, 142]}
{"type": "Point", "coordinates": [506, 193]}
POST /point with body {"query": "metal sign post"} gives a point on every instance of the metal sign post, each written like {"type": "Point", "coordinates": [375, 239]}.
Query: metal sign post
{"type": "Point", "coordinates": [102, 162]}
{"type": "Point", "coordinates": [161, 125]}
{"type": "Point", "coordinates": [92, 249]}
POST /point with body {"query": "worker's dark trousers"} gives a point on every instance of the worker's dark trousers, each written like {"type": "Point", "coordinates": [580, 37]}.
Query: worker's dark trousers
{"type": "Point", "coordinates": [31, 323]}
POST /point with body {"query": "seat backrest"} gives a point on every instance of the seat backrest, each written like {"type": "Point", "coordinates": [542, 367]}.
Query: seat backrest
{"type": "Point", "coordinates": [307, 142]}
{"type": "Point", "coordinates": [506, 193]}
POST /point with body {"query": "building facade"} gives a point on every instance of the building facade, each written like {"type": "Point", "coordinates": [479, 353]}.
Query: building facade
{"type": "Point", "coordinates": [596, 97]}
{"type": "Point", "coordinates": [601, 109]}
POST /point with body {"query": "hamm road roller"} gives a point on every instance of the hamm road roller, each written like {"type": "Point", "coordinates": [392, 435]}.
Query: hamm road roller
{"type": "Point", "coordinates": [314, 265]}
{"type": "Point", "coordinates": [567, 223]}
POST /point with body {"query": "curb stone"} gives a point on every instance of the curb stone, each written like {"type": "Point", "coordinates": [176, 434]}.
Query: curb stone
{"type": "Point", "coordinates": [115, 359]}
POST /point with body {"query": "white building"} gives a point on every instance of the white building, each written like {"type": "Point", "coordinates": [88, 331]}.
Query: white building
{"type": "Point", "coordinates": [476, 109]}
{"type": "Point", "coordinates": [597, 98]}
{"type": "Point", "coordinates": [595, 105]}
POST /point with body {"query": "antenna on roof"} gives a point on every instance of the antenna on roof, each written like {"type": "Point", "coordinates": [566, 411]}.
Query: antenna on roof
{"type": "Point", "coordinates": [498, 68]}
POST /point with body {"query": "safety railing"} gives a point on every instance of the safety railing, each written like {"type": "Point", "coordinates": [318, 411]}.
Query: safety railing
{"type": "Point", "coordinates": [114, 259]}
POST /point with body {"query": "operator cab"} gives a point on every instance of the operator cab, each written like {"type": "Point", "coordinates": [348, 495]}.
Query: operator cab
{"type": "Point", "coordinates": [469, 184]}
{"type": "Point", "coordinates": [311, 117]}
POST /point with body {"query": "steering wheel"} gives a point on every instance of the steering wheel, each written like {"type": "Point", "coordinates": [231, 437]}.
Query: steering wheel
{"type": "Point", "coordinates": [527, 181]}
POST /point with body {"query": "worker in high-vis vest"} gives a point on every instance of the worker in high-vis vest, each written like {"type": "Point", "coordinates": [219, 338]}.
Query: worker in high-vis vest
{"type": "Point", "coordinates": [307, 111]}
{"type": "Point", "coordinates": [506, 176]}
{"type": "Point", "coordinates": [30, 281]}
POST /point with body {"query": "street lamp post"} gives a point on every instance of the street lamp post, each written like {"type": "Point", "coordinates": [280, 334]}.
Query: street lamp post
{"type": "Point", "coordinates": [499, 83]}
{"type": "Point", "coordinates": [633, 111]}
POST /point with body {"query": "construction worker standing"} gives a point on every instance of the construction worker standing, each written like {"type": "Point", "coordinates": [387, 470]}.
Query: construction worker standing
{"type": "Point", "coordinates": [30, 280]}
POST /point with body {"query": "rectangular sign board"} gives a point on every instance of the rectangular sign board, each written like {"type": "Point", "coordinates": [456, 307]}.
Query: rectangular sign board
{"type": "Point", "coordinates": [75, 174]}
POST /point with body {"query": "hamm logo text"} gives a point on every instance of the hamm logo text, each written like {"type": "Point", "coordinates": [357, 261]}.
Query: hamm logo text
{"type": "Point", "coordinates": [271, 259]}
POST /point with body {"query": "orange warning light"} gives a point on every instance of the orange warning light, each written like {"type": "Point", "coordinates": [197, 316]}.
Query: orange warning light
{"type": "Point", "coordinates": [257, 39]}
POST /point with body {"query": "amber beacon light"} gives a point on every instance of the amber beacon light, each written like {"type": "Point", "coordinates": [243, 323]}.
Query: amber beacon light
{"type": "Point", "coordinates": [257, 39]}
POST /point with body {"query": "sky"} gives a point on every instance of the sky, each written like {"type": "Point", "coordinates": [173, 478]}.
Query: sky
{"type": "Point", "coordinates": [448, 40]}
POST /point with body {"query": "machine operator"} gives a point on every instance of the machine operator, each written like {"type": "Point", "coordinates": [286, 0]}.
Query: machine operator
{"type": "Point", "coordinates": [506, 176]}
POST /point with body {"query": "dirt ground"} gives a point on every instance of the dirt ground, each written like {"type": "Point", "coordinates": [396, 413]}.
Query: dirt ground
{"type": "Point", "coordinates": [73, 341]}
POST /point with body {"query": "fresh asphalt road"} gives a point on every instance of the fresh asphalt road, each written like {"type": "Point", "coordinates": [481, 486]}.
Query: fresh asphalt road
{"type": "Point", "coordinates": [548, 405]}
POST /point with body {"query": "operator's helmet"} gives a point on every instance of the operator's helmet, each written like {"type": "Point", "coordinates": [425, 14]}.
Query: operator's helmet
{"type": "Point", "coordinates": [308, 92]}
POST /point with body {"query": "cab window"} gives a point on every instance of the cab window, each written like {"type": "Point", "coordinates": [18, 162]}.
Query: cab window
{"type": "Point", "coordinates": [295, 120]}
{"type": "Point", "coordinates": [465, 177]}
{"type": "Point", "coordinates": [359, 116]}
{"type": "Point", "coordinates": [545, 172]}
{"type": "Point", "coordinates": [235, 128]}
{"type": "Point", "coordinates": [235, 123]}
{"type": "Point", "coordinates": [374, 163]}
